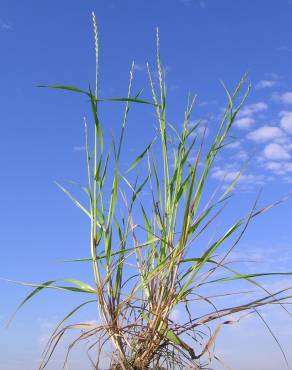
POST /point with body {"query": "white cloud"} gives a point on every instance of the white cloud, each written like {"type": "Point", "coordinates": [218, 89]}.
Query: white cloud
{"type": "Point", "coordinates": [280, 168]}
{"type": "Point", "coordinates": [139, 67]}
{"type": "Point", "coordinates": [224, 174]}
{"type": "Point", "coordinates": [275, 151]}
{"type": "Point", "coordinates": [242, 155]}
{"type": "Point", "coordinates": [78, 148]}
{"type": "Point", "coordinates": [244, 122]}
{"type": "Point", "coordinates": [285, 98]}
{"type": "Point", "coordinates": [201, 131]}
{"type": "Point", "coordinates": [264, 84]}
{"type": "Point", "coordinates": [229, 174]}
{"type": "Point", "coordinates": [46, 327]}
{"type": "Point", "coordinates": [207, 103]}
{"type": "Point", "coordinates": [273, 166]}
{"type": "Point", "coordinates": [286, 121]}
{"type": "Point", "coordinates": [7, 26]}
{"type": "Point", "coordinates": [284, 48]}
{"type": "Point", "coordinates": [176, 315]}
{"type": "Point", "coordinates": [202, 3]}
{"type": "Point", "coordinates": [173, 87]}
{"type": "Point", "coordinates": [288, 179]}
{"type": "Point", "coordinates": [273, 75]}
{"type": "Point", "coordinates": [285, 141]}
{"type": "Point", "coordinates": [233, 145]}
{"type": "Point", "coordinates": [265, 133]}
{"type": "Point", "coordinates": [252, 109]}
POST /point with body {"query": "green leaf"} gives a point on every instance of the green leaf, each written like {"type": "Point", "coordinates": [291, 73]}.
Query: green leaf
{"type": "Point", "coordinates": [114, 195]}
{"type": "Point", "coordinates": [140, 156]}
{"type": "Point", "coordinates": [80, 284]}
{"type": "Point", "coordinates": [172, 337]}
{"type": "Point", "coordinates": [247, 276]}
{"type": "Point", "coordinates": [34, 292]}
{"type": "Point", "coordinates": [132, 100]}
{"type": "Point", "coordinates": [93, 102]}
{"type": "Point", "coordinates": [74, 200]}
{"type": "Point", "coordinates": [88, 259]}
{"type": "Point", "coordinates": [135, 192]}
{"type": "Point", "coordinates": [77, 203]}
{"type": "Point", "coordinates": [108, 247]}
{"type": "Point", "coordinates": [206, 256]}
{"type": "Point", "coordinates": [64, 87]}
{"type": "Point", "coordinates": [81, 288]}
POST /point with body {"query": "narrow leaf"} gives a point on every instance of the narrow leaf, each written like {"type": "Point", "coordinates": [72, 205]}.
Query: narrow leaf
{"type": "Point", "coordinates": [138, 159]}
{"type": "Point", "coordinates": [64, 87]}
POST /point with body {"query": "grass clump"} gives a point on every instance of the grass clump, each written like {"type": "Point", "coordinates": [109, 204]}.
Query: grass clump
{"type": "Point", "coordinates": [145, 260]}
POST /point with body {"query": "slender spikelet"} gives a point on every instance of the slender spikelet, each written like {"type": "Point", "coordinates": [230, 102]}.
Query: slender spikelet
{"type": "Point", "coordinates": [96, 52]}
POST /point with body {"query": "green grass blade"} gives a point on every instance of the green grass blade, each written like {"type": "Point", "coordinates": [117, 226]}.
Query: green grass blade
{"type": "Point", "coordinates": [140, 157]}
{"type": "Point", "coordinates": [247, 276]}
{"type": "Point", "coordinates": [131, 100]}
{"type": "Point", "coordinates": [116, 253]}
{"type": "Point", "coordinates": [197, 267]}
{"type": "Point", "coordinates": [93, 102]}
{"type": "Point", "coordinates": [64, 87]}
{"type": "Point", "coordinates": [80, 284]}
{"type": "Point", "coordinates": [75, 201]}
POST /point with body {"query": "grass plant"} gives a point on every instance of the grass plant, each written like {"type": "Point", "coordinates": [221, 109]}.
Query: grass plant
{"type": "Point", "coordinates": [146, 261]}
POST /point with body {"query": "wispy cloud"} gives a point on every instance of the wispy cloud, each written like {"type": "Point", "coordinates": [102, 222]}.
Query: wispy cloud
{"type": "Point", "coordinates": [252, 109]}
{"type": "Point", "coordinates": [279, 168]}
{"type": "Point", "coordinates": [201, 3]}
{"type": "Point", "coordinates": [265, 133]}
{"type": "Point", "coordinates": [229, 173]}
{"type": "Point", "coordinates": [208, 103]}
{"type": "Point", "coordinates": [288, 180]}
{"type": "Point", "coordinates": [285, 98]}
{"type": "Point", "coordinates": [276, 151]}
{"type": "Point", "coordinates": [79, 148]}
{"type": "Point", "coordinates": [244, 122]}
{"type": "Point", "coordinates": [233, 145]}
{"type": "Point", "coordinates": [6, 26]}
{"type": "Point", "coordinates": [202, 130]}
{"type": "Point", "coordinates": [264, 84]}
{"type": "Point", "coordinates": [286, 121]}
{"type": "Point", "coordinates": [265, 258]}
{"type": "Point", "coordinates": [139, 67]}
{"type": "Point", "coordinates": [224, 174]}
{"type": "Point", "coordinates": [284, 48]}
{"type": "Point", "coordinates": [173, 87]}
{"type": "Point", "coordinates": [46, 326]}
{"type": "Point", "coordinates": [273, 75]}
{"type": "Point", "coordinates": [242, 155]}
{"type": "Point", "coordinates": [177, 315]}
{"type": "Point", "coordinates": [246, 116]}
{"type": "Point", "coordinates": [186, 2]}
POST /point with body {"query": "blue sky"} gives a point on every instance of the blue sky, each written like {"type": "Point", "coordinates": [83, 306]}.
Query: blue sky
{"type": "Point", "coordinates": [41, 133]}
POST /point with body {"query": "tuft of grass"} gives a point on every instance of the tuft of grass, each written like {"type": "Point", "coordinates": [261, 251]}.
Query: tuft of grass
{"type": "Point", "coordinates": [145, 258]}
